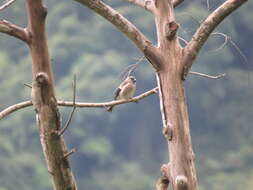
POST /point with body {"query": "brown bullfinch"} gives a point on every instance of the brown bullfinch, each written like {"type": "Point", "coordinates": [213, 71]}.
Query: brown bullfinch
{"type": "Point", "coordinates": [125, 91]}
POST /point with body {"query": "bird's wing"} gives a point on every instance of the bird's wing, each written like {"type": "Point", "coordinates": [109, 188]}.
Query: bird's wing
{"type": "Point", "coordinates": [116, 93]}
{"type": "Point", "coordinates": [124, 83]}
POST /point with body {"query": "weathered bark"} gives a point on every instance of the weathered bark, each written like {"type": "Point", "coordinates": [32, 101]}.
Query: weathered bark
{"type": "Point", "coordinates": [13, 30]}
{"type": "Point", "coordinates": [44, 101]}
{"type": "Point", "coordinates": [182, 174]}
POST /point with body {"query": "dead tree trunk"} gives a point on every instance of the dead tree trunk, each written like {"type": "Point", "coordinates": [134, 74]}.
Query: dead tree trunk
{"type": "Point", "coordinates": [172, 100]}
{"type": "Point", "coordinates": [44, 101]}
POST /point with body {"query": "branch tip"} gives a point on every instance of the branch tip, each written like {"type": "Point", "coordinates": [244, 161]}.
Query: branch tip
{"type": "Point", "coordinates": [208, 76]}
{"type": "Point", "coordinates": [69, 153]}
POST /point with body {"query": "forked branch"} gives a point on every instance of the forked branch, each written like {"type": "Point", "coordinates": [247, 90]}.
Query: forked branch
{"type": "Point", "coordinates": [13, 30]}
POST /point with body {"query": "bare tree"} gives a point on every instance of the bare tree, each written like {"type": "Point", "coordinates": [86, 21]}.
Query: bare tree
{"type": "Point", "coordinates": [171, 62]}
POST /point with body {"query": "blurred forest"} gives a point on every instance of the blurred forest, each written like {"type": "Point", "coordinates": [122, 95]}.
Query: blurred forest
{"type": "Point", "coordinates": [124, 150]}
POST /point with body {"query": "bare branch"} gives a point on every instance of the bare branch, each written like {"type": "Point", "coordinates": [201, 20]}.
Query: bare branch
{"type": "Point", "coordinates": [210, 23]}
{"type": "Point", "coordinates": [15, 107]}
{"type": "Point", "coordinates": [239, 50]}
{"type": "Point", "coordinates": [208, 76]}
{"type": "Point", "coordinates": [69, 153]}
{"type": "Point", "coordinates": [205, 29]}
{"type": "Point", "coordinates": [177, 2]}
{"type": "Point", "coordinates": [74, 107]}
{"type": "Point", "coordinates": [107, 104]}
{"type": "Point", "coordinates": [226, 37]}
{"type": "Point", "coordinates": [120, 22]}
{"type": "Point", "coordinates": [27, 85]}
{"type": "Point", "coordinates": [25, 104]}
{"type": "Point", "coordinates": [130, 69]}
{"type": "Point", "coordinates": [208, 5]}
{"type": "Point", "coordinates": [183, 40]}
{"type": "Point", "coordinates": [13, 30]}
{"type": "Point", "coordinates": [146, 4]}
{"type": "Point", "coordinates": [7, 4]}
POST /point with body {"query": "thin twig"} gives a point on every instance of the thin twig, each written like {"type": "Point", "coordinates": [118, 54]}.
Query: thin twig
{"type": "Point", "coordinates": [74, 107]}
{"type": "Point", "coordinates": [69, 153]}
{"type": "Point", "coordinates": [7, 4]}
{"type": "Point", "coordinates": [183, 40]}
{"type": "Point", "coordinates": [226, 37]}
{"type": "Point", "coordinates": [239, 50]}
{"type": "Point", "coordinates": [207, 76]}
{"type": "Point", "coordinates": [28, 85]}
{"type": "Point", "coordinates": [130, 69]}
{"type": "Point", "coordinates": [25, 104]}
{"type": "Point", "coordinates": [208, 5]}
{"type": "Point", "coordinates": [229, 39]}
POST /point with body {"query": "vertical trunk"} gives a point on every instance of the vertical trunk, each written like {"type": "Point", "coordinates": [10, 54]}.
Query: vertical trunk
{"type": "Point", "coordinates": [181, 169]}
{"type": "Point", "coordinates": [44, 101]}
{"type": "Point", "coordinates": [182, 172]}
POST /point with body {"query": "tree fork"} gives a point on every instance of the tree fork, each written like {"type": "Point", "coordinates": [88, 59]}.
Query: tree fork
{"type": "Point", "coordinates": [44, 101]}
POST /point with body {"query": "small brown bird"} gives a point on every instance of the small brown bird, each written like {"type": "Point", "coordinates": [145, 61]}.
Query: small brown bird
{"type": "Point", "coordinates": [125, 91]}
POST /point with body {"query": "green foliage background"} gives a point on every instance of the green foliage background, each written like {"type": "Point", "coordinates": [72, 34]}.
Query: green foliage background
{"type": "Point", "coordinates": [125, 149]}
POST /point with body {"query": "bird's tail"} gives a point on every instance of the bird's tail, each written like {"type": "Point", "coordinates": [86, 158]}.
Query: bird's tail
{"type": "Point", "coordinates": [110, 108]}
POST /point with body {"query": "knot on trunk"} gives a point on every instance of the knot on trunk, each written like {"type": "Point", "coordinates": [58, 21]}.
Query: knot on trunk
{"type": "Point", "coordinates": [42, 78]}
{"type": "Point", "coordinates": [181, 182]}
{"type": "Point", "coordinates": [162, 183]}
{"type": "Point", "coordinates": [165, 169]}
{"type": "Point", "coordinates": [171, 30]}
{"type": "Point", "coordinates": [168, 132]}
{"type": "Point", "coordinates": [43, 13]}
{"type": "Point", "coordinates": [40, 93]}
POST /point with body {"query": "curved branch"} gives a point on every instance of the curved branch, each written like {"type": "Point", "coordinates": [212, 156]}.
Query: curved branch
{"type": "Point", "coordinates": [15, 107]}
{"type": "Point", "coordinates": [210, 23]}
{"type": "Point", "coordinates": [205, 29]}
{"type": "Point", "coordinates": [28, 103]}
{"type": "Point", "coordinates": [13, 30]}
{"type": "Point", "coordinates": [120, 22]}
{"type": "Point", "coordinates": [208, 76]}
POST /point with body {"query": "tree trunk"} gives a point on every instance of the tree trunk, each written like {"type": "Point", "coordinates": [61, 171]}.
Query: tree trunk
{"type": "Point", "coordinates": [181, 168]}
{"type": "Point", "coordinates": [44, 101]}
